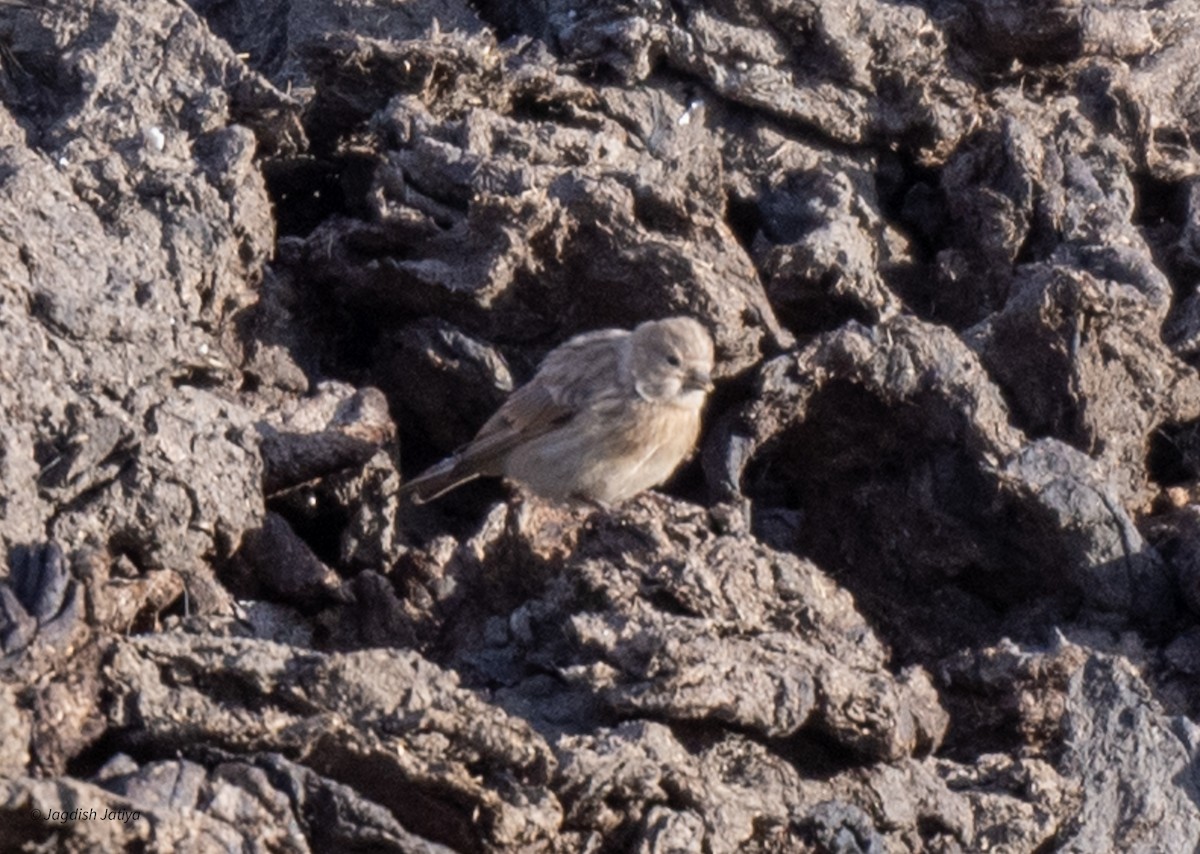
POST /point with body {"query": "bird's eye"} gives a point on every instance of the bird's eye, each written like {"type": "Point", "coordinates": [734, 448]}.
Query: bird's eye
{"type": "Point", "coordinates": [673, 361]}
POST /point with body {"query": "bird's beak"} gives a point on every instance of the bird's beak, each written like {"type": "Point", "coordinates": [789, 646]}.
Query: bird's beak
{"type": "Point", "coordinates": [698, 381]}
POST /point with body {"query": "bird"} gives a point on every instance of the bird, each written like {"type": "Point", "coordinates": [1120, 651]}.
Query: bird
{"type": "Point", "coordinates": [609, 414]}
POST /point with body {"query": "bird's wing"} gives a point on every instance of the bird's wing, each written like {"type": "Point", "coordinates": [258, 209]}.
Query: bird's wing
{"type": "Point", "coordinates": [572, 378]}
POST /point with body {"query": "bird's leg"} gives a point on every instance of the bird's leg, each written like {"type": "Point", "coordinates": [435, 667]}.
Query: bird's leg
{"type": "Point", "coordinates": [593, 503]}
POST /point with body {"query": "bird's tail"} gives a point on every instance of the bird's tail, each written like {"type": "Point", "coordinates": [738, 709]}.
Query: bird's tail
{"type": "Point", "coordinates": [437, 481]}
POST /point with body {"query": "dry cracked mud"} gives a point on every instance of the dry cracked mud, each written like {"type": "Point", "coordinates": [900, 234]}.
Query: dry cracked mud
{"type": "Point", "coordinates": [930, 583]}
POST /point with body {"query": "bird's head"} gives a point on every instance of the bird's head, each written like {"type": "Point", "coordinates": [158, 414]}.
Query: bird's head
{"type": "Point", "coordinates": [672, 361]}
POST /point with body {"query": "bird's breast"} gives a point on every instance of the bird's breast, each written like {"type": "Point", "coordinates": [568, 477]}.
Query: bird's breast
{"type": "Point", "coordinates": [654, 439]}
{"type": "Point", "coordinates": [610, 452]}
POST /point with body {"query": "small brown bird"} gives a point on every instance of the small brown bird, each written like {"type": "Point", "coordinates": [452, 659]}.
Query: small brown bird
{"type": "Point", "coordinates": [608, 414]}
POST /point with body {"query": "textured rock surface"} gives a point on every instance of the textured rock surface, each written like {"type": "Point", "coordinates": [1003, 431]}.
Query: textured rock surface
{"type": "Point", "coordinates": [931, 584]}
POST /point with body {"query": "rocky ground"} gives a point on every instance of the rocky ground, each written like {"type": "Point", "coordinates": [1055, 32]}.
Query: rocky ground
{"type": "Point", "coordinates": [932, 582]}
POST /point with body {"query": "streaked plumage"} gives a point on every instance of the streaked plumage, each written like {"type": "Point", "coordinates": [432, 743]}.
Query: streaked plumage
{"type": "Point", "coordinates": [608, 415]}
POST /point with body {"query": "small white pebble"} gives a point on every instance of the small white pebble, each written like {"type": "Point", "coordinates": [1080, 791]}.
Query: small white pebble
{"type": "Point", "coordinates": [686, 118]}
{"type": "Point", "coordinates": [155, 137]}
